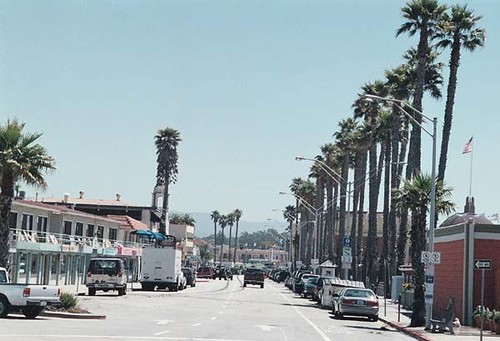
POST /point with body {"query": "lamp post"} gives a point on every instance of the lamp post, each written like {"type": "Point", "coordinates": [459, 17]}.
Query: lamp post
{"type": "Point", "coordinates": [430, 269]}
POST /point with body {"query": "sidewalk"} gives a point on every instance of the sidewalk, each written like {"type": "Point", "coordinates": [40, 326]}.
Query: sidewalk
{"type": "Point", "coordinates": [389, 314]}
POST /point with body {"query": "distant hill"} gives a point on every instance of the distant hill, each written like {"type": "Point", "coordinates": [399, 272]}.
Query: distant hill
{"type": "Point", "coordinates": [205, 226]}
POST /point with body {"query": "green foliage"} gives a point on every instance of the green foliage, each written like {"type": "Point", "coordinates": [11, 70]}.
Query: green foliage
{"type": "Point", "coordinates": [181, 219]}
{"type": "Point", "coordinates": [68, 300]}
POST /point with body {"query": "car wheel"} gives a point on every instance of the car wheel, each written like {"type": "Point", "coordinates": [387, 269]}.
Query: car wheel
{"type": "Point", "coordinates": [374, 318]}
{"type": "Point", "coordinates": [244, 284]}
{"type": "Point", "coordinates": [31, 313]}
{"type": "Point", "coordinates": [91, 292]}
{"type": "Point", "coordinates": [4, 307]}
{"type": "Point", "coordinates": [262, 286]}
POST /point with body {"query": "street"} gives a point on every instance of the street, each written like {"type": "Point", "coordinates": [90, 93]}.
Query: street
{"type": "Point", "coordinates": [213, 310]}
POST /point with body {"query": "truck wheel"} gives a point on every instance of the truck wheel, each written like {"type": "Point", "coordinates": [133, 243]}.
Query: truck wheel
{"type": "Point", "coordinates": [262, 286]}
{"type": "Point", "coordinates": [244, 284]}
{"type": "Point", "coordinates": [31, 313]}
{"type": "Point", "coordinates": [4, 307]}
{"type": "Point", "coordinates": [120, 292]}
{"type": "Point", "coordinates": [91, 292]}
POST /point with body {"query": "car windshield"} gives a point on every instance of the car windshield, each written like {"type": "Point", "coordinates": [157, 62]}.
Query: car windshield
{"type": "Point", "coordinates": [312, 280]}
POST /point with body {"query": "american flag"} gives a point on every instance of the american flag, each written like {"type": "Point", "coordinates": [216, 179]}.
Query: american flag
{"type": "Point", "coordinates": [467, 147]}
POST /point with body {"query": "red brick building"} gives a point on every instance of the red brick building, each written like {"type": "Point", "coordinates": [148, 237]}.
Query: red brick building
{"type": "Point", "coordinates": [462, 239]}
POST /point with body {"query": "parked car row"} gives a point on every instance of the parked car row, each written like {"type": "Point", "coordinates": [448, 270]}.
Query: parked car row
{"type": "Point", "coordinates": [343, 297]}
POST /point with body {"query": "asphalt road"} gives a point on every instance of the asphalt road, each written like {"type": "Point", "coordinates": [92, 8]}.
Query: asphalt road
{"type": "Point", "coordinates": [212, 311]}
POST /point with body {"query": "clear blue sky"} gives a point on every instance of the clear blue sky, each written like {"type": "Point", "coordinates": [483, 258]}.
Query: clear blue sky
{"type": "Point", "coordinates": [249, 84]}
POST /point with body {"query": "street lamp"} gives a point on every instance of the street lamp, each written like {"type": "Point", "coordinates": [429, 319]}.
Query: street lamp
{"type": "Point", "coordinates": [401, 104]}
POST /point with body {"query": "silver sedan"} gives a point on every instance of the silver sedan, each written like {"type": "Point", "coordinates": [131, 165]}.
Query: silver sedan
{"type": "Point", "coordinates": [356, 302]}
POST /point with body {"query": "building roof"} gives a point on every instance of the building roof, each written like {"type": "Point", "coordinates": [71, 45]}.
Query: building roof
{"type": "Point", "coordinates": [462, 218]}
{"type": "Point", "coordinates": [59, 209]}
{"type": "Point", "coordinates": [85, 201]}
{"type": "Point", "coordinates": [128, 222]}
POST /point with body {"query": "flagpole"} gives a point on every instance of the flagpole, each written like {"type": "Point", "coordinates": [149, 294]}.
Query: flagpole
{"type": "Point", "coordinates": [470, 180]}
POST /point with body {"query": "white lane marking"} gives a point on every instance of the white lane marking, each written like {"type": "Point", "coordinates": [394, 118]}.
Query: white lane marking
{"type": "Point", "coordinates": [221, 312]}
{"type": "Point", "coordinates": [197, 324]}
{"type": "Point", "coordinates": [224, 307]}
{"type": "Point", "coordinates": [163, 322]}
{"type": "Point", "coordinates": [161, 333]}
{"type": "Point", "coordinates": [113, 337]}
{"type": "Point", "coordinates": [264, 328]}
{"type": "Point", "coordinates": [318, 330]}
{"type": "Point", "coordinates": [213, 317]}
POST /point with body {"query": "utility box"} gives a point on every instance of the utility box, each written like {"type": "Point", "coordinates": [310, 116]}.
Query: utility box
{"type": "Point", "coordinates": [396, 288]}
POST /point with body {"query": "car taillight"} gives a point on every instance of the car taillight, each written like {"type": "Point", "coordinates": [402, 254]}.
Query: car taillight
{"type": "Point", "coordinates": [372, 303]}
{"type": "Point", "coordinates": [26, 292]}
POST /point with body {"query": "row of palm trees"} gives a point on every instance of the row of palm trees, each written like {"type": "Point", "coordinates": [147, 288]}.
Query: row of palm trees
{"type": "Point", "coordinates": [224, 220]}
{"type": "Point", "coordinates": [375, 144]}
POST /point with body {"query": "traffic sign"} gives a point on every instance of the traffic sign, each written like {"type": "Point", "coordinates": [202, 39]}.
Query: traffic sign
{"type": "Point", "coordinates": [347, 241]}
{"type": "Point", "coordinates": [484, 264]}
{"type": "Point", "coordinates": [314, 261]}
{"type": "Point", "coordinates": [346, 259]}
{"type": "Point", "coordinates": [428, 257]}
{"type": "Point", "coordinates": [347, 251]}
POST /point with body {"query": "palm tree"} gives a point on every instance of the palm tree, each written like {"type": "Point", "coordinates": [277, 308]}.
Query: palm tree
{"type": "Point", "coordinates": [415, 195]}
{"type": "Point", "coordinates": [166, 141]}
{"type": "Point", "coordinates": [181, 219]}
{"type": "Point", "coordinates": [458, 30]}
{"type": "Point", "coordinates": [21, 159]}
{"type": "Point", "coordinates": [230, 222]}
{"type": "Point", "coordinates": [237, 213]}
{"type": "Point", "coordinates": [205, 254]}
{"type": "Point", "coordinates": [317, 173]}
{"type": "Point", "coordinates": [215, 216]}
{"type": "Point", "coordinates": [223, 221]}
{"type": "Point", "coordinates": [421, 17]}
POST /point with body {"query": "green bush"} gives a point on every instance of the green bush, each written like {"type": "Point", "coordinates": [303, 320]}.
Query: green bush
{"type": "Point", "coordinates": [68, 300]}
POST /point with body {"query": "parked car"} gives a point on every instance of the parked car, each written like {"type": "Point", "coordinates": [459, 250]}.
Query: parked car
{"type": "Point", "coordinates": [190, 275]}
{"type": "Point", "coordinates": [205, 272]}
{"type": "Point", "coordinates": [310, 287]}
{"type": "Point", "coordinates": [106, 274]}
{"type": "Point", "coordinates": [220, 273]}
{"type": "Point", "coordinates": [298, 285]}
{"type": "Point", "coordinates": [356, 302]}
{"type": "Point", "coordinates": [30, 299]}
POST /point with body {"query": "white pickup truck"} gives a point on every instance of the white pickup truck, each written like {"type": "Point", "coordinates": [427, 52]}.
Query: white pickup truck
{"type": "Point", "coordinates": [28, 298]}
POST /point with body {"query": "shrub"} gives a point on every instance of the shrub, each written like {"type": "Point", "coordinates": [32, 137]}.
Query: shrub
{"type": "Point", "coordinates": [68, 300]}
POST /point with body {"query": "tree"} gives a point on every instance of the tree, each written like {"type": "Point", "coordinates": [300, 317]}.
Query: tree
{"type": "Point", "coordinates": [205, 254]}
{"type": "Point", "coordinates": [230, 222]}
{"type": "Point", "coordinates": [166, 141]}
{"type": "Point", "coordinates": [237, 213]}
{"type": "Point", "coordinates": [223, 222]}
{"type": "Point", "coordinates": [181, 219]}
{"type": "Point", "coordinates": [21, 159]}
{"type": "Point", "coordinates": [458, 30]}
{"type": "Point", "coordinates": [215, 216]}
{"type": "Point", "coordinates": [415, 195]}
{"type": "Point", "coordinates": [421, 17]}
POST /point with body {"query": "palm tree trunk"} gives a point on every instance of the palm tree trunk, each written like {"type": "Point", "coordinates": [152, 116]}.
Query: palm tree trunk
{"type": "Point", "coordinates": [403, 222]}
{"type": "Point", "coordinates": [229, 243]}
{"type": "Point", "coordinates": [215, 242]}
{"type": "Point", "coordinates": [372, 213]}
{"type": "Point", "coordinates": [236, 240]}
{"type": "Point", "coordinates": [395, 138]}
{"type": "Point", "coordinates": [6, 205]}
{"type": "Point", "coordinates": [448, 111]}
{"type": "Point", "coordinates": [329, 217]}
{"type": "Point", "coordinates": [221, 246]}
{"type": "Point", "coordinates": [343, 216]}
{"type": "Point", "coordinates": [387, 194]}
{"type": "Point", "coordinates": [361, 215]}
{"type": "Point", "coordinates": [164, 210]}
{"type": "Point", "coordinates": [418, 242]}
{"type": "Point", "coordinates": [354, 222]}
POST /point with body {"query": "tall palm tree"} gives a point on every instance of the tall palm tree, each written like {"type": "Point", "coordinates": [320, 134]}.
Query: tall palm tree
{"type": "Point", "coordinates": [166, 141]}
{"type": "Point", "coordinates": [237, 213]}
{"type": "Point", "coordinates": [215, 216]}
{"type": "Point", "coordinates": [458, 30]}
{"type": "Point", "coordinates": [223, 222]}
{"type": "Point", "coordinates": [289, 216]}
{"type": "Point", "coordinates": [317, 173]}
{"type": "Point", "coordinates": [230, 222]}
{"type": "Point", "coordinates": [21, 159]}
{"type": "Point", "coordinates": [415, 195]}
{"type": "Point", "coordinates": [330, 154]}
{"type": "Point", "coordinates": [421, 17]}
{"type": "Point", "coordinates": [344, 139]}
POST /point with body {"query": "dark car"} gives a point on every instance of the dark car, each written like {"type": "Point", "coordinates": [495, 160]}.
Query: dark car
{"type": "Point", "coordinates": [205, 272]}
{"type": "Point", "coordinates": [220, 273]}
{"type": "Point", "coordinates": [190, 275]}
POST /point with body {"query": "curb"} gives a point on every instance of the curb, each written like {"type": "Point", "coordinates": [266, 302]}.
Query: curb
{"type": "Point", "coordinates": [409, 332]}
{"type": "Point", "coordinates": [65, 315]}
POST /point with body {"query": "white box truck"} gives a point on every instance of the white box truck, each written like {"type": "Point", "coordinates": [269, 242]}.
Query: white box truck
{"type": "Point", "coordinates": [161, 268]}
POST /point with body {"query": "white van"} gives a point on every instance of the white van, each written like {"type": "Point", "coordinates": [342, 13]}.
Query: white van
{"type": "Point", "coordinates": [106, 274]}
{"type": "Point", "coordinates": [333, 287]}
